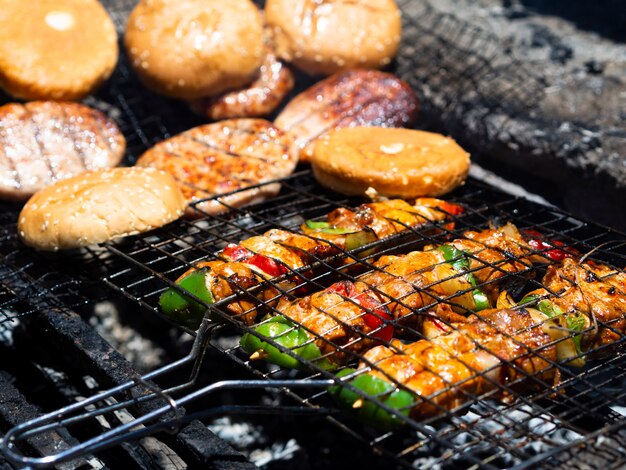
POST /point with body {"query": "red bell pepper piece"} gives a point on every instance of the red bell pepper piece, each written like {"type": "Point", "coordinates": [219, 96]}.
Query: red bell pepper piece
{"type": "Point", "coordinates": [373, 320]}
{"type": "Point", "coordinates": [267, 265]}
{"type": "Point", "coordinates": [453, 209]}
{"type": "Point", "coordinates": [549, 248]}
{"type": "Point", "coordinates": [235, 252]}
{"type": "Point", "coordinates": [264, 263]}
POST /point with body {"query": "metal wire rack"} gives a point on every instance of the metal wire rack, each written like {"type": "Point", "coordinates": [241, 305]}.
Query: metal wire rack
{"type": "Point", "coordinates": [579, 419]}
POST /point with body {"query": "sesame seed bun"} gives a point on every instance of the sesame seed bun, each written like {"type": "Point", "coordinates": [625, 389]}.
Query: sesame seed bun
{"type": "Point", "coordinates": [98, 206]}
{"type": "Point", "coordinates": [195, 48]}
{"type": "Point", "coordinates": [327, 37]}
{"type": "Point", "coordinates": [394, 162]}
{"type": "Point", "coordinates": [55, 49]}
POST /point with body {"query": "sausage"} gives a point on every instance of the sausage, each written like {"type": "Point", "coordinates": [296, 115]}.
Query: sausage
{"type": "Point", "coordinates": [260, 98]}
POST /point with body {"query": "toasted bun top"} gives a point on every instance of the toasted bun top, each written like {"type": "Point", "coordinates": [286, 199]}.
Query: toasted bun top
{"type": "Point", "coordinates": [195, 48]}
{"type": "Point", "coordinates": [55, 49]}
{"type": "Point", "coordinates": [98, 206]}
{"type": "Point", "coordinates": [327, 37]}
{"type": "Point", "coordinates": [394, 162]}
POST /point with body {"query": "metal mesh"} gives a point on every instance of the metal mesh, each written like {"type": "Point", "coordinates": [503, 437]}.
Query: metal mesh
{"type": "Point", "coordinates": [579, 422]}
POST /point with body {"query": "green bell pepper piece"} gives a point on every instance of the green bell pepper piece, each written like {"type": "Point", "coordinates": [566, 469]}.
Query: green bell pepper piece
{"type": "Point", "coordinates": [324, 227]}
{"type": "Point", "coordinates": [183, 309]}
{"type": "Point", "coordinates": [285, 333]}
{"type": "Point", "coordinates": [459, 261]}
{"type": "Point", "coordinates": [369, 412]}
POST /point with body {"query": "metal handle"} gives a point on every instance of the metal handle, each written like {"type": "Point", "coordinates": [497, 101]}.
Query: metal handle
{"type": "Point", "coordinates": [128, 431]}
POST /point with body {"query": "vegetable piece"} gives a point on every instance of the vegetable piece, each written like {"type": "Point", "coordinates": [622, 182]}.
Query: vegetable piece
{"type": "Point", "coordinates": [314, 224]}
{"type": "Point", "coordinates": [529, 299]}
{"type": "Point", "coordinates": [459, 260]}
{"type": "Point", "coordinates": [285, 333]}
{"type": "Point", "coordinates": [480, 300]}
{"type": "Point", "coordinates": [267, 265]}
{"type": "Point", "coordinates": [380, 316]}
{"type": "Point", "coordinates": [184, 309]}
{"type": "Point", "coordinates": [549, 248]}
{"type": "Point", "coordinates": [359, 239]}
{"type": "Point", "coordinates": [369, 412]}
{"type": "Point", "coordinates": [576, 323]}
{"type": "Point", "coordinates": [561, 328]}
{"type": "Point", "coordinates": [235, 252]}
{"type": "Point", "coordinates": [324, 227]}
{"type": "Point", "coordinates": [380, 313]}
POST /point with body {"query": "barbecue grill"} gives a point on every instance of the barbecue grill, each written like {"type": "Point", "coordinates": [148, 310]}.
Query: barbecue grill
{"type": "Point", "coordinates": [49, 306]}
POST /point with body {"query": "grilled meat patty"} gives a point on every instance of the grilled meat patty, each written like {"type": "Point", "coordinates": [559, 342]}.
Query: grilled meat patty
{"type": "Point", "coordinates": [226, 156]}
{"type": "Point", "coordinates": [45, 141]}
{"type": "Point", "coordinates": [347, 99]}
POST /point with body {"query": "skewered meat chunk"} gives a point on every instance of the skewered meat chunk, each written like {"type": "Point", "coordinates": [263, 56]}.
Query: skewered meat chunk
{"type": "Point", "coordinates": [279, 251]}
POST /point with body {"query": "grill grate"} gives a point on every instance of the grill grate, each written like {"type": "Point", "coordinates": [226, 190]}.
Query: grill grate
{"type": "Point", "coordinates": [577, 423]}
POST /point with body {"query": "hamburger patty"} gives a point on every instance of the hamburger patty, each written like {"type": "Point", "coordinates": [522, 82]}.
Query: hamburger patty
{"type": "Point", "coordinates": [226, 156]}
{"type": "Point", "coordinates": [42, 142]}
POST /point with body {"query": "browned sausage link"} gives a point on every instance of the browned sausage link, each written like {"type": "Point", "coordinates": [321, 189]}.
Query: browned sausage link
{"type": "Point", "coordinates": [261, 98]}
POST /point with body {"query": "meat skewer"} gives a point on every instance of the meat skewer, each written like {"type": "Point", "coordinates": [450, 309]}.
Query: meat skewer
{"type": "Point", "coordinates": [275, 253]}
{"type": "Point", "coordinates": [354, 316]}
{"type": "Point", "coordinates": [581, 308]}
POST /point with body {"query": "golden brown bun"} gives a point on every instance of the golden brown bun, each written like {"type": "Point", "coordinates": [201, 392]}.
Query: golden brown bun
{"type": "Point", "coordinates": [327, 37]}
{"type": "Point", "coordinates": [195, 48]}
{"type": "Point", "coordinates": [98, 206]}
{"type": "Point", "coordinates": [395, 162]}
{"type": "Point", "coordinates": [55, 49]}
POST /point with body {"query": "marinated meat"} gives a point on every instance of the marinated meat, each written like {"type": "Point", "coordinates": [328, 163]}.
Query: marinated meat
{"type": "Point", "coordinates": [226, 156]}
{"type": "Point", "coordinates": [278, 251]}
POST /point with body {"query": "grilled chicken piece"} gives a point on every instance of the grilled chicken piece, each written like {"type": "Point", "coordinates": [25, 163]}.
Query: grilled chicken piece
{"type": "Point", "coordinates": [474, 358]}
{"type": "Point", "coordinates": [42, 142]}
{"type": "Point", "coordinates": [347, 99]}
{"type": "Point", "coordinates": [278, 251]}
{"type": "Point", "coordinates": [226, 156]}
{"type": "Point", "coordinates": [582, 308]}
{"type": "Point", "coordinates": [258, 99]}
{"type": "Point", "coordinates": [596, 291]}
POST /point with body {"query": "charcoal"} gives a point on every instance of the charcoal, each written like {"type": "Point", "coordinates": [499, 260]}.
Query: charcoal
{"type": "Point", "coordinates": [534, 97]}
